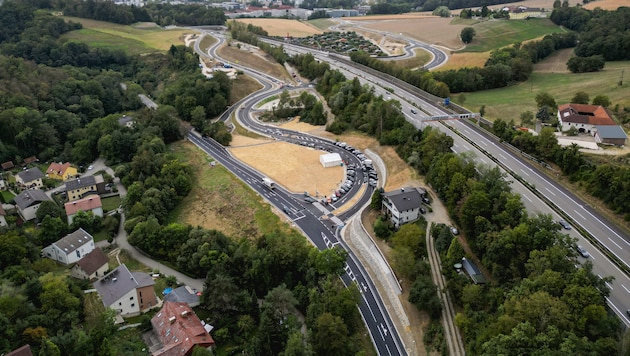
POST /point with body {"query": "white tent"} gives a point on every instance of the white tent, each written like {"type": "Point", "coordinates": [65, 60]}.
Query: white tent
{"type": "Point", "coordinates": [330, 160]}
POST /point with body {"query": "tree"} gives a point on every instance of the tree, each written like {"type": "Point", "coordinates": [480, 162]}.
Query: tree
{"type": "Point", "coordinates": [482, 111]}
{"type": "Point", "coordinates": [527, 118]}
{"type": "Point", "coordinates": [442, 11]}
{"type": "Point", "coordinates": [330, 336]}
{"type": "Point", "coordinates": [48, 208]}
{"type": "Point", "coordinates": [580, 97]}
{"type": "Point", "coordinates": [601, 100]}
{"type": "Point", "coordinates": [377, 199]}
{"type": "Point", "coordinates": [557, 4]}
{"type": "Point", "coordinates": [467, 34]}
{"type": "Point", "coordinates": [545, 99]}
{"type": "Point", "coordinates": [51, 230]}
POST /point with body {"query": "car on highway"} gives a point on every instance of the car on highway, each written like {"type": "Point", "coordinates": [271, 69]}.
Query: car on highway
{"type": "Point", "coordinates": [564, 224]}
{"type": "Point", "coordinates": [582, 251]}
{"type": "Point", "coordinates": [309, 199]}
{"type": "Point", "coordinates": [413, 111]}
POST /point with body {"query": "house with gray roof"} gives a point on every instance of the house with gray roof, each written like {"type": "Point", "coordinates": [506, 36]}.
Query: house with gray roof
{"type": "Point", "coordinates": [30, 178]}
{"type": "Point", "coordinates": [473, 271]}
{"type": "Point", "coordinates": [610, 135]}
{"type": "Point", "coordinates": [128, 293]}
{"type": "Point", "coordinates": [184, 294]}
{"type": "Point", "coordinates": [403, 205]}
{"type": "Point", "coordinates": [84, 186]}
{"type": "Point", "coordinates": [71, 248]}
{"type": "Point", "coordinates": [28, 202]}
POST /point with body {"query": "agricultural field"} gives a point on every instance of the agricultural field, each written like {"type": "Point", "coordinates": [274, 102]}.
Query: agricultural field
{"type": "Point", "coordinates": [322, 24]}
{"type": "Point", "coordinates": [607, 4]}
{"type": "Point", "coordinates": [137, 39]}
{"type": "Point", "coordinates": [283, 27]}
{"type": "Point", "coordinates": [508, 103]}
{"type": "Point", "coordinates": [492, 34]}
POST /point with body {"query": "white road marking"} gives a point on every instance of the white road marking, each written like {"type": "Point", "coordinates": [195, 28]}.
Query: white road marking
{"type": "Point", "coordinates": [525, 173]}
{"type": "Point", "coordinates": [619, 247]}
{"type": "Point", "coordinates": [526, 197]}
{"type": "Point", "coordinates": [624, 287]}
{"type": "Point", "coordinates": [552, 193]}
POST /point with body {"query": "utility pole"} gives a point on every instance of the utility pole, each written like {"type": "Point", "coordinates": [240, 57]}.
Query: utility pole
{"type": "Point", "coordinates": [621, 79]}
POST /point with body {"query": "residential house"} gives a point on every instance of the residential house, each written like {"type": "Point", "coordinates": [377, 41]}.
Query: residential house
{"type": "Point", "coordinates": [473, 271]}
{"type": "Point", "coordinates": [3, 214]}
{"type": "Point", "coordinates": [30, 178]}
{"type": "Point", "coordinates": [3, 184]}
{"type": "Point", "coordinates": [128, 293]}
{"type": "Point", "coordinates": [403, 205]}
{"type": "Point", "coordinates": [89, 203]}
{"type": "Point", "coordinates": [583, 117]}
{"type": "Point", "coordinates": [179, 330]}
{"type": "Point", "coordinates": [61, 171]}
{"type": "Point", "coordinates": [71, 248]}
{"type": "Point", "coordinates": [610, 135]}
{"type": "Point", "coordinates": [30, 160]}
{"type": "Point", "coordinates": [184, 294]}
{"type": "Point", "coordinates": [7, 165]}
{"type": "Point", "coordinates": [22, 351]}
{"type": "Point", "coordinates": [93, 265]}
{"type": "Point", "coordinates": [81, 187]}
{"type": "Point", "coordinates": [28, 202]}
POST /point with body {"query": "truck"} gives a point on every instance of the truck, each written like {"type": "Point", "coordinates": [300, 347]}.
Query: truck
{"type": "Point", "coordinates": [268, 183]}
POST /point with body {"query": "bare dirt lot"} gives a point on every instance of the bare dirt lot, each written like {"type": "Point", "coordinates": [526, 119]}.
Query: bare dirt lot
{"type": "Point", "coordinates": [282, 27]}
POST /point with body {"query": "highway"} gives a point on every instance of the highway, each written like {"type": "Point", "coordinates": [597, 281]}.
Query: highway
{"type": "Point", "coordinates": [473, 140]}
{"type": "Point", "coordinates": [314, 219]}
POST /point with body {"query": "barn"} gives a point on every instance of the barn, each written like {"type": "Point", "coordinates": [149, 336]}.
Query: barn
{"type": "Point", "coordinates": [330, 160]}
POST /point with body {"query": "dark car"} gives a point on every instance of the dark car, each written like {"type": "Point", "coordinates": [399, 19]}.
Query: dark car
{"type": "Point", "coordinates": [310, 199]}
{"type": "Point", "coordinates": [582, 251]}
{"type": "Point", "coordinates": [423, 210]}
{"type": "Point", "coordinates": [426, 200]}
{"type": "Point", "coordinates": [564, 224]}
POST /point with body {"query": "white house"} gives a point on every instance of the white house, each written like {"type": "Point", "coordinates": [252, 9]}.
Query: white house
{"type": "Point", "coordinates": [28, 202]}
{"type": "Point", "coordinates": [93, 265]}
{"type": "Point", "coordinates": [3, 184]}
{"type": "Point", "coordinates": [403, 205]}
{"type": "Point", "coordinates": [71, 248]}
{"type": "Point", "coordinates": [583, 117]}
{"type": "Point", "coordinates": [30, 178]}
{"type": "Point", "coordinates": [128, 293]}
{"type": "Point", "coordinates": [90, 203]}
{"type": "Point", "coordinates": [330, 160]}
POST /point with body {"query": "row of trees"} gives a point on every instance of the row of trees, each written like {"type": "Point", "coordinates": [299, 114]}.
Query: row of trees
{"type": "Point", "coordinates": [505, 65]}
{"type": "Point", "coordinates": [401, 6]}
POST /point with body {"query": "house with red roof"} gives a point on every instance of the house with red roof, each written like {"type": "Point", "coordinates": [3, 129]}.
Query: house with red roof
{"type": "Point", "coordinates": [93, 265]}
{"type": "Point", "coordinates": [179, 330]}
{"type": "Point", "coordinates": [90, 203]}
{"type": "Point", "coordinates": [583, 117]}
{"type": "Point", "coordinates": [61, 171]}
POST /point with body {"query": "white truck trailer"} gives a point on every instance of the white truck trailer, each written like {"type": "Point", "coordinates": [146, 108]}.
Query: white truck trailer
{"type": "Point", "coordinates": [268, 183]}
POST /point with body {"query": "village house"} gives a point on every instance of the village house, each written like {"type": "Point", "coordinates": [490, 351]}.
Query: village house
{"type": "Point", "coordinates": [29, 178]}
{"type": "Point", "coordinates": [61, 171]}
{"type": "Point", "coordinates": [89, 203]}
{"type": "Point", "coordinates": [179, 330]}
{"type": "Point", "coordinates": [403, 205]}
{"type": "Point", "coordinates": [28, 202]}
{"type": "Point", "coordinates": [128, 293]}
{"type": "Point", "coordinates": [81, 187]}
{"type": "Point", "coordinates": [91, 266]}
{"type": "Point", "coordinates": [71, 248]}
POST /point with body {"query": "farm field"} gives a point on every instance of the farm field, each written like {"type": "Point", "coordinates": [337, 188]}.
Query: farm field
{"type": "Point", "coordinates": [494, 34]}
{"type": "Point", "coordinates": [322, 24]}
{"type": "Point", "coordinates": [607, 4]}
{"type": "Point", "coordinates": [282, 27]}
{"type": "Point", "coordinates": [509, 103]}
{"type": "Point", "coordinates": [137, 39]}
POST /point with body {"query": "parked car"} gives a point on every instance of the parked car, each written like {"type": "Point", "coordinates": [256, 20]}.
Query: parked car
{"type": "Point", "coordinates": [564, 224]}
{"type": "Point", "coordinates": [582, 251]}
{"type": "Point", "coordinates": [337, 193]}
{"type": "Point", "coordinates": [454, 230]}
{"type": "Point", "coordinates": [423, 210]}
{"type": "Point", "coordinates": [334, 198]}
{"type": "Point", "coordinates": [365, 179]}
{"type": "Point", "coordinates": [426, 200]}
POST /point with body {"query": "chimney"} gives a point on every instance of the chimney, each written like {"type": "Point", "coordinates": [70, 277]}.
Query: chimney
{"type": "Point", "coordinates": [172, 319]}
{"type": "Point", "coordinates": [184, 313]}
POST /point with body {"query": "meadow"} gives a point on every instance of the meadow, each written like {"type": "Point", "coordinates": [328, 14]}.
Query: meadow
{"type": "Point", "coordinates": [508, 103]}
{"type": "Point", "coordinates": [136, 39]}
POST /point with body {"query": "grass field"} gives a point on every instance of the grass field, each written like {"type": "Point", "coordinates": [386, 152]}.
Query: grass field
{"type": "Point", "coordinates": [509, 103]}
{"type": "Point", "coordinates": [322, 24]}
{"type": "Point", "coordinates": [262, 62]}
{"type": "Point", "coordinates": [283, 27]}
{"type": "Point", "coordinates": [131, 39]}
{"type": "Point", "coordinates": [494, 34]}
{"type": "Point", "coordinates": [243, 86]}
{"type": "Point", "coordinates": [111, 203]}
{"type": "Point", "coordinates": [6, 196]}
{"type": "Point", "coordinates": [221, 201]}
{"type": "Point", "coordinates": [421, 58]}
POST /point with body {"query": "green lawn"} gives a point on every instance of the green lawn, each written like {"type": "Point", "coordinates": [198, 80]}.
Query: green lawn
{"type": "Point", "coordinates": [508, 103]}
{"type": "Point", "coordinates": [111, 203]}
{"type": "Point", "coordinates": [6, 196]}
{"type": "Point", "coordinates": [492, 34]}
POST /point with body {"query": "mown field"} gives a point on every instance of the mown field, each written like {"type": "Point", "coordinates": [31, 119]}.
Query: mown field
{"type": "Point", "coordinates": [492, 34]}
{"type": "Point", "coordinates": [508, 103]}
{"type": "Point", "coordinates": [137, 39]}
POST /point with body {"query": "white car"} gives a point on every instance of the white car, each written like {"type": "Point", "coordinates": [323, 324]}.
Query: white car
{"type": "Point", "coordinates": [90, 167]}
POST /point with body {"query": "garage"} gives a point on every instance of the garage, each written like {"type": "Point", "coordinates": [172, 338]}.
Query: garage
{"type": "Point", "coordinates": [330, 160]}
